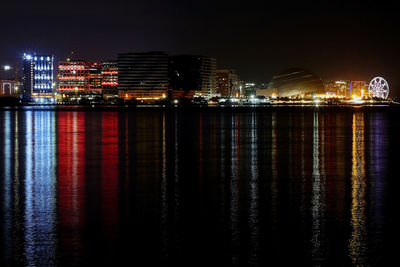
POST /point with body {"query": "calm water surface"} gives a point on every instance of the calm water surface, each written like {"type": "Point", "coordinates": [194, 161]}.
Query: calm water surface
{"type": "Point", "coordinates": [312, 186]}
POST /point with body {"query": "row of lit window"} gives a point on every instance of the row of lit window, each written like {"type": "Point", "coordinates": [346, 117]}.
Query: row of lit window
{"type": "Point", "coordinates": [41, 58]}
{"type": "Point", "coordinates": [43, 68]}
{"type": "Point", "coordinates": [42, 86]}
{"type": "Point", "coordinates": [37, 77]}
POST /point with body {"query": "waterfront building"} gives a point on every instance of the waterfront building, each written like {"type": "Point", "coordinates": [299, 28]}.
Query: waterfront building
{"type": "Point", "coordinates": [358, 88]}
{"type": "Point", "coordinates": [191, 75]}
{"type": "Point", "coordinates": [250, 89]}
{"type": "Point", "coordinates": [295, 82]}
{"type": "Point", "coordinates": [73, 76]}
{"type": "Point", "coordinates": [228, 83]}
{"type": "Point", "coordinates": [208, 74]}
{"type": "Point", "coordinates": [338, 88]}
{"type": "Point", "coordinates": [9, 87]}
{"type": "Point", "coordinates": [38, 78]}
{"type": "Point", "coordinates": [80, 77]}
{"type": "Point", "coordinates": [95, 77]}
{"type": "Point", "coordinates": [109, 71]}
{"type": "Point", "coordinates": [143, 76]}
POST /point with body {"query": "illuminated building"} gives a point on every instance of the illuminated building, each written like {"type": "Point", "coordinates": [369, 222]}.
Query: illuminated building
{"type": "Point", "coordinates": [192, 74]}
{"type": "Point", "coordinates": [80, 77]}
{"type": "Point", "coordinates": [358, 88]}
{"type": "Point", "coordinates": [250, 89]}
{"type": "Point", "coordinates": [228, 83]}
{"type": "Point", "coordinates": [8, 87]}
{"type": "Point", "coordinates": [208, 76]}
{"type": "Point", "coordinates": [338, 88]}
{"type": "Point", "coordinates": [143, 76]}
{"type": "Point", "coordinates": [38, 78]}
{"type": "Point", "coordinates": [95, 77]}
{"type": "Point", "coordinates": [73, 76]}
{"type": "Point", "coordinates": [109, 71]}
{"type": "Point", "coordinates": [296, 82]}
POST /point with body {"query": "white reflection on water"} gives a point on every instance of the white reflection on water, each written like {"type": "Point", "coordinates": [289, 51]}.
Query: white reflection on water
{"type": "Point", "coordinates": [358, 240]}
{"type": "Point", "coordinates": [7, 215]}
{"type": "Point", "coordinates": [40, 189]}
{"type": "Point", "coordinates": [318, 195]}
{"type": "Point", "coordinates": [164, 193]}
{"type": "Point", "coordinates": [274, 169]}
{"type": "Point", "coordinates": [254, 194]}
{"type": "Point", "coordinates": [234, 190]}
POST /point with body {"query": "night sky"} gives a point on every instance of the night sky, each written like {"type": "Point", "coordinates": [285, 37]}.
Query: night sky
{"type": "Point", "coordinates": [344, 40]}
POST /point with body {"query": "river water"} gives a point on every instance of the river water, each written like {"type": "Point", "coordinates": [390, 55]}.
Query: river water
{"type": "Point", "coordinates": [196, 187]}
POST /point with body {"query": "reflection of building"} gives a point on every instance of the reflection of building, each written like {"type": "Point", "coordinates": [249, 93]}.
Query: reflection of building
{"type": "Point", "coordinates": [191, 74]}
{"type": "Point", "coordinates": [296, 82]}
{"type": "Point", "coordinates": [38, 77]}
{"type": "Point", "coordinates": [143, 75]}
{"type": "Point", "coordinates": [109, 73]}
{"type": "Point", "coordinates": [228, 83]}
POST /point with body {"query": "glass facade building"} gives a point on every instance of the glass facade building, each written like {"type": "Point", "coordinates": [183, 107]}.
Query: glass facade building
{"type": "Point", "coordinates": [143, 76]}
{"type": "Point", "coordinates": [193, 73]}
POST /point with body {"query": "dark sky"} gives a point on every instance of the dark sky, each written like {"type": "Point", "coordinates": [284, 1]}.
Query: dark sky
{"type": "Point", "coordinates": [345, 40]}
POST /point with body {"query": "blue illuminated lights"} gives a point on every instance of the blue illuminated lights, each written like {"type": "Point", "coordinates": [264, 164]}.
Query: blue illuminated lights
{"type": "Point", "coordinates": [38, 77]}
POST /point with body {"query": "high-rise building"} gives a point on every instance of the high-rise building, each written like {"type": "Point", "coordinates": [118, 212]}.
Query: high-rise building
{"type": "Point", "coordinates": [228, 83]}
{"type": "Point", "coordinates": [195, 74]}
{"type": "Point", "coordinates": [143, 76]}
{"type": "Point", "coordinates": [38, 78]}
{"type": "Point", "coordinates": [208, 69]}
{"type": "Point", "coordinates": [109, 71]}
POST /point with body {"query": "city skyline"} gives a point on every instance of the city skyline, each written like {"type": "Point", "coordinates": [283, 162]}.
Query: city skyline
{"type": "Point", "coordinates": [349, 42]}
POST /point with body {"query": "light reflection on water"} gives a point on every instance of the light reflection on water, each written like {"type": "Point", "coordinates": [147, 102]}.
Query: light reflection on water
{"type": "Point", "coordinates": [242, 188]}
{"type": "Point", "coordinates": [358, 246]}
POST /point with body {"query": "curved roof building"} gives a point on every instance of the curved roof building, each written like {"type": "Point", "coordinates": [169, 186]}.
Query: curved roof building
{"type": "Point", "coordinates": [296, 81]}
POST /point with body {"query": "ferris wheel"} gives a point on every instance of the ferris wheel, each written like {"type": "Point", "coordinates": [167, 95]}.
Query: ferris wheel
{"type": "Point", "coordinates": [379, 87]}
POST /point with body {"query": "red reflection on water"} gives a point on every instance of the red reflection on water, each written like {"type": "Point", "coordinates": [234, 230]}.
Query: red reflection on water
{"type": "Point", "coordinates": [110, 172]}
{"type": "Point", "coordinates": [71, 179]}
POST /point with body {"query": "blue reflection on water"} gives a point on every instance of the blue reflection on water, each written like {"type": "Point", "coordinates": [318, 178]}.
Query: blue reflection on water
{"type": "Point", "coordinates": [40, 189]}
{"type": "Point", "coordinates": [7, 184]}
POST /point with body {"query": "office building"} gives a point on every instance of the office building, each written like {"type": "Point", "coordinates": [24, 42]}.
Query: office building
{"type": "Point", "coordinates": [109, 71]}
{"type": "Point", "coordinates": [190, 74]}
{"type": "Point", "coordinates": [38, 78]}
{"type": "Point", "coordinates": [228, 83]}
{"type": "Point", "coordinates": [80, 77]}
{"type": "Point", "coordinates": [143, 76]}
{"type": "Point", "coordinates": [358, 88]}
{"type": "Point", "coordinates": [337, 88]}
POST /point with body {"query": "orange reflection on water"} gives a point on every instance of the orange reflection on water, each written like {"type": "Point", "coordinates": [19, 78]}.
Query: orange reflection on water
{"type": "Point", "coordinates": [358, 240]}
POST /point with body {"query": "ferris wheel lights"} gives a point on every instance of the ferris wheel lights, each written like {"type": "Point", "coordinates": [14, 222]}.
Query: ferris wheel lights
{"type": "Point", "coordinates": [379, 87]}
